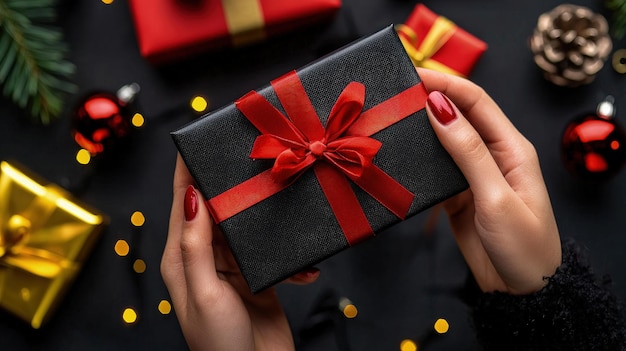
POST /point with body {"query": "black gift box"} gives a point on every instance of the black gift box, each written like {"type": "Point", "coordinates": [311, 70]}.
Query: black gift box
{"type": "Point", "coordinates": [296, 227]}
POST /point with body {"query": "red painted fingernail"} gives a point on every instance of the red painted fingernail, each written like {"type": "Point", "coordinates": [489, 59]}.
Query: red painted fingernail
{"type": "Point", "coordinates": [441, 107]}
{"type": "Point", "coordinates": [311, 271]}
{"type": "Point", "coordinates": [191, 203]}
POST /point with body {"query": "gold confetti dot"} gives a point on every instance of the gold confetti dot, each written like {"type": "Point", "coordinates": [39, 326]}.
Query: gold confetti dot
{"type": "Point", "coordinates": [137, 120]}
{"type": "Point", "coordinates": [408, 345]}
{"type": "Point", "coordinates": [129, 316]}
{"type": "Point", "coordinates": [122, 248]}
{"type": "Point", "coordinates": [441, 326]}
{"type": "Point", "coordinates": [107, 2]}
{"type": "Point", "coordinates": [25, 294]}
{"type": "Point", "coordinates": [83, 156]}
{"type": "Point", "coordinates": [139, 266]}
{"type": "Point", "coordinates": [199, 104]}
{"type": "Point", "coordinates": [165, 307]}
{"type": "Point", "coordinates": [348, 309]}
{"type": "Point", "coordinates": [137, 219]}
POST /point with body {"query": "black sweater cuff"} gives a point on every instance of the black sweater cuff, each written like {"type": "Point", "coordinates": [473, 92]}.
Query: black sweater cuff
{"type": "Point", "coordinates": [573, 311]}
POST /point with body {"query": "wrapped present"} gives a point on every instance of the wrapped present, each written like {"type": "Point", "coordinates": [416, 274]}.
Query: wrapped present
{"type": "Point", "coordinates": [45, 236]}
{"type": "Point", "coordinates": [436, 43]}
{"type": "Point", "coordinates": [319, 160]}
{"type": "Point", "coordinates": [168, 29]}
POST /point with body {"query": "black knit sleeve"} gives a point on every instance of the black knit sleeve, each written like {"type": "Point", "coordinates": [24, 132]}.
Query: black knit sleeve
{"type": "Point", "coordinates": [574, 311]}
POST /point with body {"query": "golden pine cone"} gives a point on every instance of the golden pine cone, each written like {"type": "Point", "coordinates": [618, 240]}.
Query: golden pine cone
{"type": "Point", "coordinates": [570, 44]}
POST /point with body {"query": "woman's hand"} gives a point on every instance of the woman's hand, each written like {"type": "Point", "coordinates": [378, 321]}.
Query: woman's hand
{"type": "Point", "coordinates": [213, 304]}
{"type": "Point", "coordinates": [504, 224]}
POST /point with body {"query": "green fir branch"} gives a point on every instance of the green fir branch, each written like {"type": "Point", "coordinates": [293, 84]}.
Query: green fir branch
{"type": "Point", "coordinates": [34, 71]}
{"type": "Point", "coordinates": [618, 10]}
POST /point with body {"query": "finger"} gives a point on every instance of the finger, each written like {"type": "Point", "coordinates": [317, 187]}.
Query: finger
{"type": "Point", "coordinates": [465, 146]}
{"type": "Point", "coordinates": [304, 277]}
{"type": "Point", "coordinates": [496, 130]}
{"type": "Point", "coordinates": [171, 262]}
{"type": "Point", "coordinates": [482, 112]}
{"type": "Point", "coordinates": [196, 245]}
{"type": "Point", "coordinates": [514, 154]}
{"type": "Point", "coordinates": [182, 179]}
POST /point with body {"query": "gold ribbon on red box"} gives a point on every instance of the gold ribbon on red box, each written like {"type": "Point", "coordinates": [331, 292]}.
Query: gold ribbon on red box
{"type": "Point", "coordinates": [245, 22]}
{"type": "Point", "coordinates": [340, 151]}
{"type": "Point", "coordinates": [434, 42]}
{"type": "Point", "coordinates": [168, 30]}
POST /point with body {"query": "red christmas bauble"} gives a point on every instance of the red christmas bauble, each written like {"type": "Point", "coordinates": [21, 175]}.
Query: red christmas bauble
{"type": "Point", "coordinates": [102, 118]}
{"type": "Point", "coordinates": [593, 146]}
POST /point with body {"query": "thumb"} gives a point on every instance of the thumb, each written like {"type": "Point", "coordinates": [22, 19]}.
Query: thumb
{"type": "Point", "coordinates": [196, 244]}
{"type": "Point", "coordinates": [465, 145]}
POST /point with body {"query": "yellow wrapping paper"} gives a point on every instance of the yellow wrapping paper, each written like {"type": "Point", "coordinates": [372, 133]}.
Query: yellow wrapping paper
{"type": "Point", "coordinates": [44, 238]}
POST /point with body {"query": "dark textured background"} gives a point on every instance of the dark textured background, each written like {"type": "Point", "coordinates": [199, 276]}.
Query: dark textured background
{"type": "Point", "coordinates": [401, 281]}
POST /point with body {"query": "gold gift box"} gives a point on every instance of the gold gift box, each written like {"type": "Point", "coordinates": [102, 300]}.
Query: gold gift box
{"type": "Point", "coordinates": [45, 236]}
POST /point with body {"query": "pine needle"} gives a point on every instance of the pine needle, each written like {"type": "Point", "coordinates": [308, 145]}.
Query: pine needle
{"type": "Point", "coordinates": [618, 9]}
{"type": "Point", "coordinates": [34, 72]}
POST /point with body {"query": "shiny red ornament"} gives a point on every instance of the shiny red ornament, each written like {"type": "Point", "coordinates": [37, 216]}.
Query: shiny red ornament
{"type": "Point", "coordinates": [101, 119]}
{"type": "Point", "coordinates": [593, 146]}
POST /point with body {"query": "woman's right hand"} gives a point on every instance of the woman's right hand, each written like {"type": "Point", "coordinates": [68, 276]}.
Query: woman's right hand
{"type": "Point", "coordinates": [504, 223]}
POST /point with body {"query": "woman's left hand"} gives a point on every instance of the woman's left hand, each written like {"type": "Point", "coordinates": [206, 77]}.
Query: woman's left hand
{"type": "Point", "coordinates": [213, 304]}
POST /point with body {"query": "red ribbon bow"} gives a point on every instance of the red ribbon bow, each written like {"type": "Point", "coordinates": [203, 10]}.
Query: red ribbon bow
{"type": "Point", "coordinates": [343, 149]}
{"type": "Point", "coordinates": [295, 150]}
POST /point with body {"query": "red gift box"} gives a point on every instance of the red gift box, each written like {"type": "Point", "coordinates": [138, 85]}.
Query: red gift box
{"type": "Point", "coordinates": [172, 29]}
{"type": "Point", "coordinates": [437, 43]}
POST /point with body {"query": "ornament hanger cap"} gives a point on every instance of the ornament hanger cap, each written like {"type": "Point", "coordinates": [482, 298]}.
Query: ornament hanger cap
{"type": "Point", "coordinates": [606, 108]}
{"type": "Point", "coordinates": [128, 92]}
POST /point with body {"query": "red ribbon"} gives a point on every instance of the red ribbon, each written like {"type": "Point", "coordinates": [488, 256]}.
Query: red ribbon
{"type": "Point", "coordinates": [342, 150]}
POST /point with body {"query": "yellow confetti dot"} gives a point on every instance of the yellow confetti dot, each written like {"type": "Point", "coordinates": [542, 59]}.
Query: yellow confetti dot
{"type": "Point", "coordinates": [107, 2]}
{"type": "Point", "coordinates": [441, 326]}
{"type": "Point", "coordinates": [137, 219]}
{"type": "Point", "coordinates": [199, 104]}
{"type": "Point", "coordinates": [350, 311]}
{"type": "Point", "coordinates": [25, 293]}
{"type": "Point", "coordinates": [122, 248]}
{"type": "Point", "coordinates": [408, 345]}
{"type": "Point", "coordinates": [129, 316]}
{"type": "Point", "coordinates": [165, 307]}
{"type": "Point", "coordinates": [83, 156]}
{"type": "Point", "coordinates": [137, 120]}
{"type": "Point", "coordinates": [139, 266]}
{"type": "Point", "coordinates": [347, 308]}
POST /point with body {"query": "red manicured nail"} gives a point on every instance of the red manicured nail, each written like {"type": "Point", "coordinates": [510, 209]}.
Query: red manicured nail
{"type": "Point", "coordinates": [441, 107]}
{"type": "Point", "coordinates": [191, 203]}
{"type": "Point", "coordinates": [310, 271]}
